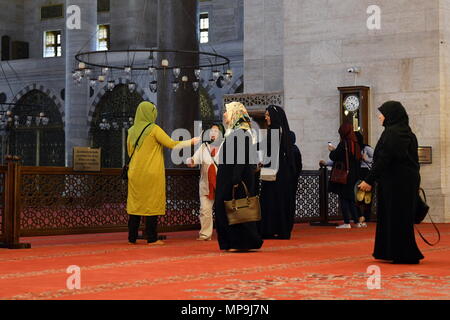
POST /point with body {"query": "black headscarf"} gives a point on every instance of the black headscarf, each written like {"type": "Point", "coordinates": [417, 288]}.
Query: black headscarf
{"type": "Point", "coordinates": [219, 138]}
{"type": "Point", "coordinates": [395, 114]}
{"type": "Point", "coordinates": [278, 120]}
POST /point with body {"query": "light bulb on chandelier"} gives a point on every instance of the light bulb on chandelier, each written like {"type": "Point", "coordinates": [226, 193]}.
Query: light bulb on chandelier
{"type": "Point", "coordinates": [175, 86]}
{"type": "Point", "coordinates": [111, 85]}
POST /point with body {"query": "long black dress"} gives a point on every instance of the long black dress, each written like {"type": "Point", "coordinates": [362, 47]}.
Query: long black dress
{"type": "Point", "coordinates": [277, 201]}
{"type": "Point", "coordinates": [242, 236]}
{"type": "Point", "coordinates": [298, 167]}
{"type": "Point", "coordinates": [396, 169]}
{"type": "Point", "coordinates": [276, 204]}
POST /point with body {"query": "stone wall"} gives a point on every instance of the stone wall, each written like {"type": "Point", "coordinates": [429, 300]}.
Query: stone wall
{"type": "Point", "coordinates": [134, 23]}
{"type": "Point", "coordinates": [226, 35]}
{"type": "Point", "coordinates": [11, 19]}
{"type": "Point", "coordinates": [307, 53]}
{"type": "Point", "coordinates": [402, 61]}
{"type": "Point", "coordinates": [34, 27]}
{"type": "Point", "coordinates": [263, 45]}
{"type": "Point", "coordinates": [444, 27]}
{"type": "Point", "coordinates": [226, 20]}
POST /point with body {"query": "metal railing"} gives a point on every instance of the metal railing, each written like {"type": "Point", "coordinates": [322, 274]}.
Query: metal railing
{"type": "Point", "coordinates": [42, 201]}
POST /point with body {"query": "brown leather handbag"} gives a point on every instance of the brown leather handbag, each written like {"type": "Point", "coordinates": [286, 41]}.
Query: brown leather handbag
{"type": "Point", "coordinates": [339, 173]}
{"type": "Point", "coordinates": [243, 210]}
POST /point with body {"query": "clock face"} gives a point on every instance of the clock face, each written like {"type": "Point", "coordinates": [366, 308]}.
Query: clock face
{"type": "Point", "coordinates": [351, 103]}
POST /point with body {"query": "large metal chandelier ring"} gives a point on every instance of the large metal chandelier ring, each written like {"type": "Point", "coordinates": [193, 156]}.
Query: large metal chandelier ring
{"type": "Point", "coordinates": [105, 59]}
{"type": "Point", "coordinates": [144, 59]}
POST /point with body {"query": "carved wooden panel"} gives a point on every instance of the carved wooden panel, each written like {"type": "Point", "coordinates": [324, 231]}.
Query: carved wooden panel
{"type": "Point", "coordinates": [256, 101]}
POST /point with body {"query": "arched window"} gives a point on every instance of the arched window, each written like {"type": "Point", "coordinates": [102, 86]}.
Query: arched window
{"type": "Point", "coordinates": [115, 107]}
{"type": "Point", "coordinates": [37, 142]}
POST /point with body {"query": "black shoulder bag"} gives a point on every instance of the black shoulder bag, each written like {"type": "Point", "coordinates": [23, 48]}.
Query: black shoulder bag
{"type": "Point", "coordinates": [125, 168]}
{"type": "Point", "coordinates": [422, 210]}
{"type": "Point", "coordinates": [340, 171]}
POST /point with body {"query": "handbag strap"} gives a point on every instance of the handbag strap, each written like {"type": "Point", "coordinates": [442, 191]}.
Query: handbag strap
{"type": "Point", "coordinates": [434, 225]}
{"type": "Point", "coordinates": [234, 192]}
{"type": "Point", "coordinates": [137, 142]}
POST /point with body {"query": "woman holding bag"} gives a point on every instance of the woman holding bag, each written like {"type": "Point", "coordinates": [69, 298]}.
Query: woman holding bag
{"type": "Point", "coordinates": [396, 169]}
{"type": "Point", "coordinates": [348, 155]}
{"type": "Point", "coordinates": [237, 164]}
{"type": "Point", "coordinates": [146, 175]}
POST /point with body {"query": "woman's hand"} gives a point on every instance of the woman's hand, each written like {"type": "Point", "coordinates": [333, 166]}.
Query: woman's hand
{"type": "Point", "coordinates": [331, 148]}
{"type": "Point", "coordinates": [322, 163]}
{"type": "Point", "coordinates": [190, 163]}
{"type": "Point", "coordinates": [195, 141]}
{"type": "Point", "coordinates": [364, 186]}
{"type": "Point", "coordinates": [365, 157]}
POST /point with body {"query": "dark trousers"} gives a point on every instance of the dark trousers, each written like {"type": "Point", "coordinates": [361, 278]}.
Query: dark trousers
{"type": "Point", "coordinates": [349, 210]}
{"type": "Point", "coordinates": [365, 210]}
{"type": "Point", "coordinates": [151, 224]}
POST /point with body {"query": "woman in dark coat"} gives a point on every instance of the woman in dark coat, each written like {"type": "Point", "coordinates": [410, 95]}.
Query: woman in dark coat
{"type": "Point", "coordinates": [349, 144]}
{"type": "Point", "coordinates": [298, 167]}
{"type": "Point", "coordinates": [232, 172]}
{"type": "Point", "coordinates": [276, 196]}
{"type": "Point", "coordinates": [396, 169]}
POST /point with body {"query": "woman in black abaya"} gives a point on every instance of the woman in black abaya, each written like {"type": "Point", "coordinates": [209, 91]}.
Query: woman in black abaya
{"type": "Point", "coordinates": [231, 172]}
{"type": "Point", "coordinates": [276, 196]}
{"type": "Point", "coordinates": [396, 169]}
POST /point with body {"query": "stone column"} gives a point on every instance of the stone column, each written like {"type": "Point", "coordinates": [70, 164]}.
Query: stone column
{"type": "Point", "coordinates": [134, 24]}
{"type": "Point", "coordinates": [77, 97]}
{"type": "Point", "coordinates": [177, 29]}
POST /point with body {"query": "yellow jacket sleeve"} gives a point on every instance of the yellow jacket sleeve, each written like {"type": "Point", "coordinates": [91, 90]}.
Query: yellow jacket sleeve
{"type": "Point", "coordinates": [167, 142]}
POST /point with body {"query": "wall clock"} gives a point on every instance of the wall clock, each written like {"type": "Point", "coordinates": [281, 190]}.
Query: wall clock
{"type": "Point", "coordinates": [354, 108]}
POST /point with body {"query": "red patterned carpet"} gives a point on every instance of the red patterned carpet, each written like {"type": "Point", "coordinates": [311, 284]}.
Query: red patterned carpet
{"type": "Point", "coordinates": [319, 263]}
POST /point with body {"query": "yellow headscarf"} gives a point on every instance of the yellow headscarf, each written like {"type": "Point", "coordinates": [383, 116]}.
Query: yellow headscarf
{"type": "Point", "coordinates": [238, 116]}
{"type": "Point", "coordinates": [146, 114]}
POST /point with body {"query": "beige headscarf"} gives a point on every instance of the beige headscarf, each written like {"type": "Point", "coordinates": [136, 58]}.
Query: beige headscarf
{"type": "Point", "coordinates": [238, 117]}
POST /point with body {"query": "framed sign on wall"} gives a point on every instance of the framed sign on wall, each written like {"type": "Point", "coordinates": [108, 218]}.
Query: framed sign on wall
{"type": "Point", "coordinates": [425, 155]}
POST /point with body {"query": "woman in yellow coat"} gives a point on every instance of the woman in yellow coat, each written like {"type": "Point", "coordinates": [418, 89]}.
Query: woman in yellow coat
{"type": "Point", "coordinates": [146, 174]}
